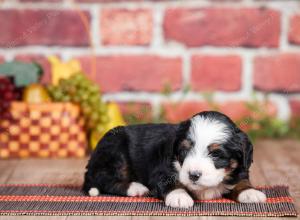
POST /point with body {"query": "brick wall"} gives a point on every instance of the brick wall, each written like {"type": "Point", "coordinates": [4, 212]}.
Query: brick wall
{"type": "Point", "coordinates": [142, 47]}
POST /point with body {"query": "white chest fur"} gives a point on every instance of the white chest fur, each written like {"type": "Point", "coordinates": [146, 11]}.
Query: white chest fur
{"type": "Point", "coordinates": [211, 192]}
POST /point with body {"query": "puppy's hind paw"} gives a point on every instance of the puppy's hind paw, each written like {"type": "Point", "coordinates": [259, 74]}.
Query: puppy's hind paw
{"type": "Point", "coordinates": [252, 196]}
{"type": "Point", "coordinates": [179, 198]}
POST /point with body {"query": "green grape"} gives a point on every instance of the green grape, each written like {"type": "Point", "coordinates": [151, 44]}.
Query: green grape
{"type": "Point", "coordinates": [103, 109]}
{"type": "Point", "coordinates": [94, 116]}
{"type": "Point", "coordinates": [75, 99]}
{"type": "Point", "coordinates": [51, 89]}
{"type": "Point", "coordinates": [94, 100]}
{"type": "Point", "coordinates": [87, 110]}
{"type": "Point", "coordinates": [77, 77]}
{"type": "Point", "coordinates": [72, 90]}
{"type": "Point", "coordinates": [84, 84]}
{"type": "Point", "coordinates": [84, 96]}
{"type": "Point", "coordinates": [94, 89]}
{"type": "Point", "coordinates": [58, 94]}
{"type": "Point", "coordinates": [66, 98]}
{"type": "Point", "coordinates": [63, 83]}
{"type": "Point", "coordinates": [80, 94]}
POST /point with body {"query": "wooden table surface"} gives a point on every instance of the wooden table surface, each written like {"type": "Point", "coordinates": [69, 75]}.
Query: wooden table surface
{"type": "Point", "coordinates": [275, 162]}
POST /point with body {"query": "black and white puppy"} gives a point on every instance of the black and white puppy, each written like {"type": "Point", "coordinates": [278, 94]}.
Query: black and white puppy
{"type": "Point", "coordinates": [205, 157]}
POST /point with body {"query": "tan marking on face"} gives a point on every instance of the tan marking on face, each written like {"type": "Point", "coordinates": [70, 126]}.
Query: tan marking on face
{"type": "Point", "coordinates": [233, 164]}
{"type": "Point", "coordinates": [213, 147]}
{"type": "Point", "coordinates": [186, 144]}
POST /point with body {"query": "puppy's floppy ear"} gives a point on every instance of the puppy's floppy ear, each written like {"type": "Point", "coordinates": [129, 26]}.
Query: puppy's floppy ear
{"type": "Point", "coordinates": [181, 134]}
{"type": "Point", "coordinates": [246, 149]}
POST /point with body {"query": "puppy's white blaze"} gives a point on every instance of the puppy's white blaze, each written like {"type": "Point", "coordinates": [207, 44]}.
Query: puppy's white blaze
{"type": "Point", "coordinates": [137, 189]}
{"type": "Point", "coordinates": [252, 196]}
{"type": "Point", "coordinates": [205, 131]}
{"type": "Point", "coordinates": [179, 198]}
{"type": "Point", "coordinates": [94, 192]}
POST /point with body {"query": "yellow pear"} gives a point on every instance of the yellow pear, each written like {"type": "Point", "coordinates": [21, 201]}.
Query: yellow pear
{"type": "Point", "coordinates": [115, 119]}
{"type": "Point", "coordinates": [36, 93]}
{"type": "Point", "coordinates": [115, 115]}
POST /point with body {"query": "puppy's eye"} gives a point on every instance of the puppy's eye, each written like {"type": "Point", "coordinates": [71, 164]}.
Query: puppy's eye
{"type": "Point", "coordinates": [217, 153]}
{"type": "Point", "coordinates": [221, 163]}
{"type": "Point", "coordinates": [219, 157]}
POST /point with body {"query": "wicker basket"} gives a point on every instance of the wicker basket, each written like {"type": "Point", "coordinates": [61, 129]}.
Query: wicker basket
{"type": "Point", "coordinates": [43, 130]}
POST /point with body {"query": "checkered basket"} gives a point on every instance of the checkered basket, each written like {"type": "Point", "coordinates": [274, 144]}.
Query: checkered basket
{"type": "Point", "coordinates": [43, 130]}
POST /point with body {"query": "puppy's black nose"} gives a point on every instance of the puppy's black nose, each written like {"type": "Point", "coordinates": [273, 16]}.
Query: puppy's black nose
{"type": "Point", "coordinates": [194, 176]}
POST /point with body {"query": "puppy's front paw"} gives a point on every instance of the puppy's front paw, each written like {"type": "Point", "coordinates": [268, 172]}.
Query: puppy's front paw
{"type": "Point", "coordinates": [252, 195]}
{"type": "Point", "coordinates": [137, 189]}
{"type": "Point", "coordinates": [179, 198]}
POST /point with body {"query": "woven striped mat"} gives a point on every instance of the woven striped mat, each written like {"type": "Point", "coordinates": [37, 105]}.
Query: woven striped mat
{"type": "Point", "coordinates": [69, 200]}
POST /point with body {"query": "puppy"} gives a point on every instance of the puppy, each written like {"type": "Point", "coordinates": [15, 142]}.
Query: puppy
{"type": "Point", "coordinates": [205, 157]}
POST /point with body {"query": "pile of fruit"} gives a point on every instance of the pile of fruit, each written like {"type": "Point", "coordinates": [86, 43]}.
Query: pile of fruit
{"type": "Point", "coordinates": [69, 84]}
{"type": "Point", "coordinates": [80, 90]}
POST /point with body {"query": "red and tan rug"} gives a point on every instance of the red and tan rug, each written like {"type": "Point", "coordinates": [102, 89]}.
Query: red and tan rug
{"type": "Point", "coordinates": [69, 200]}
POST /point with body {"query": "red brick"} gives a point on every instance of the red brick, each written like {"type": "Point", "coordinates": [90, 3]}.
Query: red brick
{"type": "Point", "coordinates": [184, 110]}
{"type": "Point", "coordinates": [122, 26]}
{"type": "Point", "coordinates": [46, 27]}
{"type": "Point", "coordinates": [211, 72]}
{"type": "Point", "coordinates": [278, 73]}
{"type": "Point", "coordinates": [295, 107]}
{"type": "Point", "coordinates": [294, 33]}
{"type": "Point", "coordinates": [249, 27]}
{"type": "Point", "coordinates": [38, 1]}
{"type": "Point", "coordinates": [236, 110]}
{"type": "Point", "coordinates": [107, 1]}
{"type": "Point", "coordinates": [175, 112]}
{"type": "Point", "coordinates": [141, 111]}
{"type": "Point", "coordinates": [41, 60]}
{"type": "Point", "coordinates": [135, 72]}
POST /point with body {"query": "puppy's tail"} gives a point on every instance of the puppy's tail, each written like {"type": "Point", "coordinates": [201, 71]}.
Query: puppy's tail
{"type": "Point", "coordinates": [94, 191]}
{"type": "Point", "coordinates": [89, 188]}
